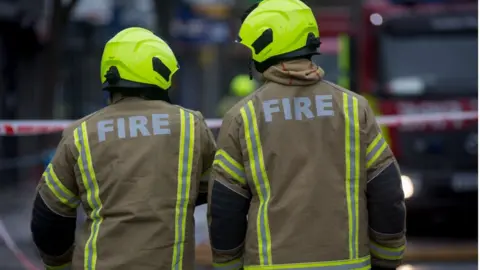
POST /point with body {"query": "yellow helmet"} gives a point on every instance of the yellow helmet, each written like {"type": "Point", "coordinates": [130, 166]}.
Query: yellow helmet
{"type": "Point", "coordinates": [136, 57]}
{"type": "Point", "coordinates": [242, 85]}
{"type": "Point", "coordinates": [279, 29]}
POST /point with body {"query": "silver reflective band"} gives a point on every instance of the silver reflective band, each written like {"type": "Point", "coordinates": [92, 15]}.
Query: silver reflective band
{"type": "Point", "coordinates": [387, 253]}
{"type": "Point", "coordinates": [66, 196]}
{"type": "Point", "coordinates": [375, 149]}
{"type": "Point", "coordinates": [262, 185]}
{"type": "Point", "coordinates": [234, 265]}
{"type": "Point", "coordinates": [362, 263]}
{"type": "Point", "coordinates": [233, 169]}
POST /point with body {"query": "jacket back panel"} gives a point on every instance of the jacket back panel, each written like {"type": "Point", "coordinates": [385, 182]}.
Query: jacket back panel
{"type": "Point", "coordinates": [137, 210]}
{"type": "Point", "coordinates": [302, 132]}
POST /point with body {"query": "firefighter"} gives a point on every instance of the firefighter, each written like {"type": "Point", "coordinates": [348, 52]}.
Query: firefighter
{"type": "Point", "coordinates": [134, 166]}
{"type": "Point", "coordinates": [302, 178]}
{"type": "Point", "coordinates": [240, 87]}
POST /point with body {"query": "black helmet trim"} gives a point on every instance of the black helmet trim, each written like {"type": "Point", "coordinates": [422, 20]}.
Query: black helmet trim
{"type": "Point", "coordinates": [265, 39]}
{"type": "Point", "coordinates": [311, 48]}
{"type": "Point", "coordinates": [122, 83]}
{"type": "Point", "coordinates": [114, 80]}
{"type": "Point", "coordinates": [159, 67]}
{"type": "Point", "coordinates": [112, 76]}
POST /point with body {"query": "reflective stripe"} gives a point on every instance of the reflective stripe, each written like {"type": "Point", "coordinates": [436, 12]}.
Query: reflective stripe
{"type": "Point", "coordinates": [386, 253]}
{"type": "Point", "coordinates": [58, 189]}
{"type": "Point", "coordinates": [352, 172]}
{"type": "Point", "coordinates": [230, 166]}
{"type": "Point", "coordinates": [375, 149]}
{"type": "Point", "coordinates": [259, 176]}
{"type": "Point", "coordinates": [185, 160]}
{"type": "Point", "coordinates": [233, 265]}
{"type": "Point", "coordinates": [358, 264]}
{"type": "Point", "coordinates": [89, 179]}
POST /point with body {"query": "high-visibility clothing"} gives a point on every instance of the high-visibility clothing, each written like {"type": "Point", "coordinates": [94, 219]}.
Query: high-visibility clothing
{"type": "Point", "coordinates": [303, 179]}
{"type": "Point", "coordinates": [135, 167]}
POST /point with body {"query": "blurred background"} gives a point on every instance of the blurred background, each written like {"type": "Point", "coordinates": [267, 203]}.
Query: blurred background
{"type": "Point", "coordinates": [410, 59]}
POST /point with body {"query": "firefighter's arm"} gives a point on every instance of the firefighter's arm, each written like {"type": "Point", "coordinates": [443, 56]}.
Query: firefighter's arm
{"type": "Point", "coordinates": [54, 211]}
{"type": "Point", "coordinates": [229, 200]}
{"type": "Point", "coordinates": [209, 147]}
{"type": "Point", "coordinates": [385, 198]}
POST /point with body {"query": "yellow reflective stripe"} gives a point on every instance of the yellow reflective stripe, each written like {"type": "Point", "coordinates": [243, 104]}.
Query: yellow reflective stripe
{"type": "Point", "coordinates": [62, 193]}
{"type": "Point", "coordinates": [352, 170]}
{"type": "Point", "coordinates": [230, 166]}
{"type": "Point", "coordinates": [357, 174]}
{"type": "Point", "coordinates": [89, 179]}
{"type": "Point", "coordinates": [387, 253]}
{"type": "Point", "coordinates": [232, 265]}
{"type": "Point", "coordinates": [374, 142]}
{"type": "Point", "coordinates": [360, 263]}
{"type": "Point", "coordinates": [259, 176]}
{"type": "Point", "coordinates": [184, 177]}
{"type": "Point", "coordinates": [375, 149]}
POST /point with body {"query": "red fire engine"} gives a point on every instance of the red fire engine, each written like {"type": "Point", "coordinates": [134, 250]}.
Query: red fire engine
{"type": "Point", "coordinates": [418, 58]}
{"type": "Point", "coordinates": [334, 27]}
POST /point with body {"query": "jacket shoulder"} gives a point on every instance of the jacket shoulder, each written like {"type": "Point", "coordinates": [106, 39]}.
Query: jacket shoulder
{"type": "Point", "coordinates": [197, 114]}
{"type": "Point", "coordinates": [68, 131]}
{"type": "Point", "coordinates": [234, 112]}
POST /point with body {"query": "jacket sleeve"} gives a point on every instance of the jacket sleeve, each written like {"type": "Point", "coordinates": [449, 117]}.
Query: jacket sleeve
{"type": "Point", "coordinates": [209, 147]}
{"type": "Point", "coordinates": [54, 210]}
{"type": "Point", "coordinates": [385, 198]}
{"type": "Point", "coordinates": [229, 199]}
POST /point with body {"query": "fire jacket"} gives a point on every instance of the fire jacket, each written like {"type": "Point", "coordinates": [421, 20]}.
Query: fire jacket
{"type": "Point", "coordinates": [303, 179]}
{"type": "Point", "coordinates": [135, 167]}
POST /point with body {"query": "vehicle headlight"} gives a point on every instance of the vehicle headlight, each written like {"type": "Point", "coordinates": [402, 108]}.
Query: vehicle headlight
{"type": "Point", "coordinates": [407, 185]}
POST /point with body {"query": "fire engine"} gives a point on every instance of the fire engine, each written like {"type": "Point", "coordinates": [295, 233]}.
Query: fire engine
{"type": "Point", "coordinates": [334, 58]}
{"type": "Point", "coordinates": [421, 57]}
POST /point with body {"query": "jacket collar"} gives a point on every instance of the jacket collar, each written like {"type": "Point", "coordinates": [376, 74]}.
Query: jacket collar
{"type": "Point", "coordinates": [117, 98]}
{"type": "Point", "coordinates": [294, 72]}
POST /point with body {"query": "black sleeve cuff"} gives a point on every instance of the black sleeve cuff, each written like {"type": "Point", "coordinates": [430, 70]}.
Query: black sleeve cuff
{"type": "Point", "coordinates": [228, 212]}
{"type": "Point", "coordinates": [53, 234]}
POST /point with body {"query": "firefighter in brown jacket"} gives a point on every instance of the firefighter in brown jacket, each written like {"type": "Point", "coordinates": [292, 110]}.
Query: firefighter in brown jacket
{"type": "Point", "coordinates": [302, 178]}
{"type": "Point", "coordinates": [134, 166]}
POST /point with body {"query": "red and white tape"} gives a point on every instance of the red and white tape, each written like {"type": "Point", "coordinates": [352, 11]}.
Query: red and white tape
{"type": "Point", "coordinates": [36, 127]}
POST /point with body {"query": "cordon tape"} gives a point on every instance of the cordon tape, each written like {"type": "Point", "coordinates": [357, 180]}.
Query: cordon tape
{"type": "Point", "coordinates": [36, 127]}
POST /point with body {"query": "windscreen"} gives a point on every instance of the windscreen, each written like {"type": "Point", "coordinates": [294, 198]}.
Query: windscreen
{"type": "Point", "coordinates": [439, 63]}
